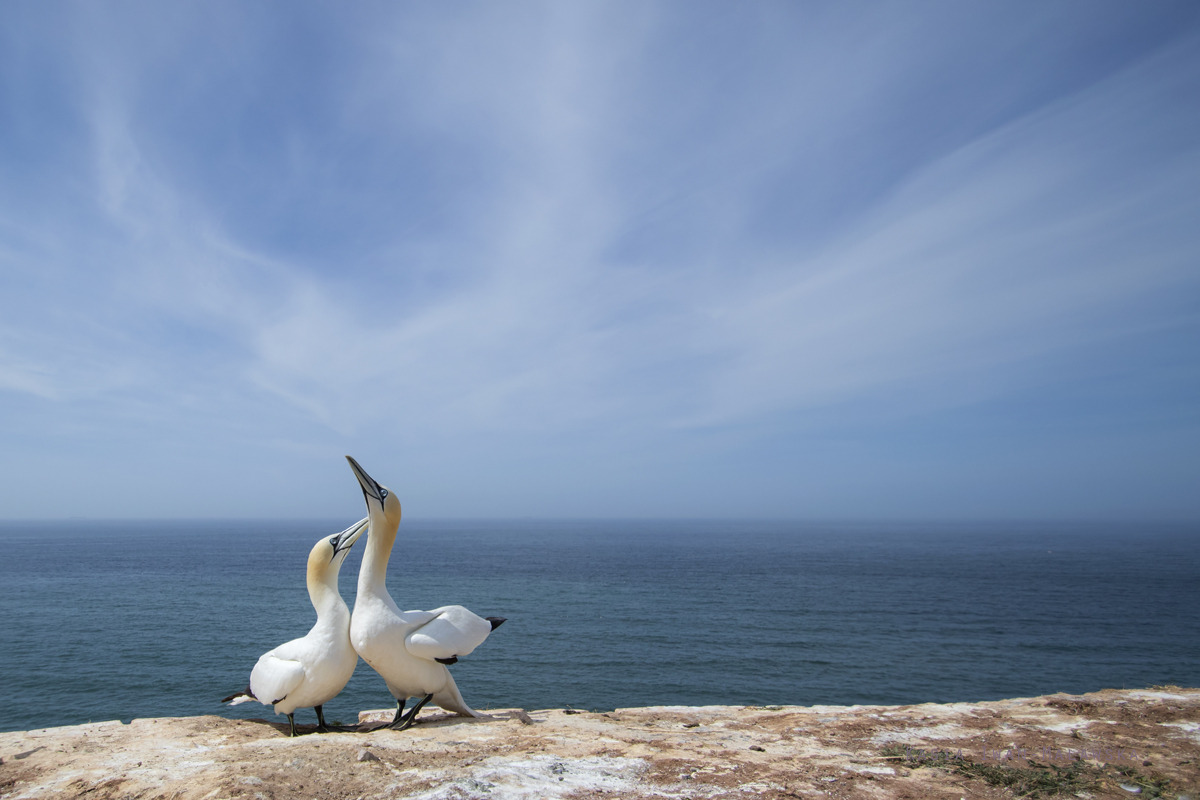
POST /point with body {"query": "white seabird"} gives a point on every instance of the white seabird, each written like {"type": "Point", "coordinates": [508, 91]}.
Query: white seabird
{"type": "Point", "coordinates": [309, 672]}
{"type": "Point", "coordinates": [409, 649]}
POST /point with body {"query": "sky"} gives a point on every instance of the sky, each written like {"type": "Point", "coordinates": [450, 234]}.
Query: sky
{"type": "Point", "coordinates": [601, 259]}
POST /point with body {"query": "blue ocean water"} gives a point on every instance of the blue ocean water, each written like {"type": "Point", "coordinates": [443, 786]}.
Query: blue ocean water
{"type": "Point", "coordinates": [122, 620]}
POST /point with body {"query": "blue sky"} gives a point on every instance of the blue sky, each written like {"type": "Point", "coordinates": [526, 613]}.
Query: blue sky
{"type": "Point", "coordinates": [667, 259]}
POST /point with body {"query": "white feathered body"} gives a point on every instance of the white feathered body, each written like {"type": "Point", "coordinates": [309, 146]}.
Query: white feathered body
{"type": "Point", "coordinates": [309, 671]}
{"type": "Point", "coordinates": [402, 645]}
{"type": "Point", "coordinates": [312, 670]}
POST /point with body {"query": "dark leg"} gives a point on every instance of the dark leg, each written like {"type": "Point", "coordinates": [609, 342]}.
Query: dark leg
{"type": "Point", "coordinates": [323, 728]}
{"type": "Point", "coordinates": [292, 722]}
{"type": "Point", "coordinates": [399, 710]}
{"type": "Point", "coordinates": [406, 721]}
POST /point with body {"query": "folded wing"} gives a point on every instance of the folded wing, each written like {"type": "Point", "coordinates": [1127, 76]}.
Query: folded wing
{"type": "Point", "coordinates": [273, 679]}
{"type": "Point", "coordinates": [453, 632]}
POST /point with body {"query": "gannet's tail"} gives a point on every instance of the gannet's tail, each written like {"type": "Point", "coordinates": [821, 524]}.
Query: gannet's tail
{"type": "Point", "coordinates": [244, 696]}
{"type": "Point", "coordinates": [451, 699]}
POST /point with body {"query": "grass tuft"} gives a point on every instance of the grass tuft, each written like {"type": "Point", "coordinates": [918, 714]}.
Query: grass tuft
{"type": "Point", "coordinates": [1034, 781]}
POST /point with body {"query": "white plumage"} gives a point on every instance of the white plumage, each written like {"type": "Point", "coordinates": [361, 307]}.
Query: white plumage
{"type": "Point", "coordinates": [405, 647]}
{"type": "Point", "coordinates": [310, 671]}
{"type": "Point", "coordinates": [451, 631]}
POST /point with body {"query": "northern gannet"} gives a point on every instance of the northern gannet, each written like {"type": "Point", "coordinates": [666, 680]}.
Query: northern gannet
{"type": "Point", "coordinates": [309, 672]}
{"type": "Point", "coordinates": [409, 649]}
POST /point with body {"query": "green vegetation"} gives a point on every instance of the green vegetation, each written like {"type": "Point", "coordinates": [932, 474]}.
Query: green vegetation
{"type": "Point", "coordinates": [1151, 786]}
{"type": "Point", "coordinates": [1034, 781]}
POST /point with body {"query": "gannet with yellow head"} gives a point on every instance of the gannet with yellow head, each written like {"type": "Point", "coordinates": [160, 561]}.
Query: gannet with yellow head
{"type": "Point", "coordinates": [409, 649]}
{"type": "Point", "coordinates": [311, 671]}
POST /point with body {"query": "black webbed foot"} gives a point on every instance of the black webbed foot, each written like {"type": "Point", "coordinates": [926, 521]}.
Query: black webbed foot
{"type": "Point", "coordinates": [323, 727]}
{"type": "Point", "coordinates": [405, 721]}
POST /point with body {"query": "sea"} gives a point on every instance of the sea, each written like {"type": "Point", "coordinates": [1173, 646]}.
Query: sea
{"type": "Point", "coordinates": [117, 620]}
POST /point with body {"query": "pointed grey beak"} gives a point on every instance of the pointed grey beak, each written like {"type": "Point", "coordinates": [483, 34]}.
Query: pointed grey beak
{"type": "Point", "coordinates": [346, 539]}
{"type": "Point", "coordinates": [369, 486]}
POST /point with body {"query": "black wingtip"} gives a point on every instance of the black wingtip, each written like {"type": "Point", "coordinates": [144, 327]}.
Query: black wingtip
{"type": "Point", "coordinates": [496, 621]}
{"type": "Point", "coordinates": [450, 660]}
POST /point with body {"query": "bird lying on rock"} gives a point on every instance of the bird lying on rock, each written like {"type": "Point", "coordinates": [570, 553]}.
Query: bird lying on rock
{"type": "Point", "coordinates": [409, 649]}
{"type": "Point", "coordinates": [310, 671]}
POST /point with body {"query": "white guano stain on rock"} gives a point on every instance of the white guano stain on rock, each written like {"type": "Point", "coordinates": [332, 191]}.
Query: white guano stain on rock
{"type": "Point", "coordinates": [540, 777]}
{"type": "Point", "coordinates": [712, 752]}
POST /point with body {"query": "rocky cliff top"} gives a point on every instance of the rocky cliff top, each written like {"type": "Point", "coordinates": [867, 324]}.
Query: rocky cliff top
{"type": "Point", "coordinates": [1127, 743]}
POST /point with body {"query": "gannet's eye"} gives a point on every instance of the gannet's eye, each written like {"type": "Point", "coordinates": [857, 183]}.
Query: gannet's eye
{"type": "Point", "coordinates": [333, 540]}
{"type": "Point", "coordinates": [382, 493]}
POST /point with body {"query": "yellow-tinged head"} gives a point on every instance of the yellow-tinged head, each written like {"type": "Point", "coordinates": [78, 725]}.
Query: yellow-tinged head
{"type": "Point", "coordinates": [325, 559]}
{"type": "Point", "coordinates": [383, 509]}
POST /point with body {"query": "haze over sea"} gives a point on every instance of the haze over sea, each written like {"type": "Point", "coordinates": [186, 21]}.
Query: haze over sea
{"type": "Point", "coordinates": [108, 620]}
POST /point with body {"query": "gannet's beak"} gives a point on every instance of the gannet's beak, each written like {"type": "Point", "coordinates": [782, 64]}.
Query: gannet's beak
{"type": "Point", "coordinates": [346, 539]}
{"type": "Point", "coordinates": [369, 486]}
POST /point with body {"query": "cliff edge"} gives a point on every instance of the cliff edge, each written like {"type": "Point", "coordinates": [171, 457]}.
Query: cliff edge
{"type": "Point", "coordinates": [1113, 743]}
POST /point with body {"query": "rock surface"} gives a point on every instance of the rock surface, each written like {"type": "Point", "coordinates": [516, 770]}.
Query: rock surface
{"type": "Point", "coordinates": [1143, 743]}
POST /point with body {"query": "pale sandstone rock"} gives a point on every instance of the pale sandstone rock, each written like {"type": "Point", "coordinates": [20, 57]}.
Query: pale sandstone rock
{"type": "Point", "coordinates": [667, 751]}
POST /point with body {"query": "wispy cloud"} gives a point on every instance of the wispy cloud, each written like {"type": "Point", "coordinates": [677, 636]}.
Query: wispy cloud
{"type": "Point", "coordinates": [612, 224]}
{"type": "Point", "coordinates": [992, 254]}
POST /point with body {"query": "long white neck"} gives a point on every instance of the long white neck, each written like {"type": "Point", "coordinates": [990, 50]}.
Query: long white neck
{"type": "Point", "coordinates": [326, 599]}
{"type": "Point", "coordinates": [372, 575]}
